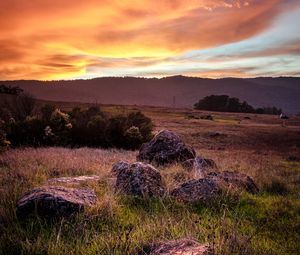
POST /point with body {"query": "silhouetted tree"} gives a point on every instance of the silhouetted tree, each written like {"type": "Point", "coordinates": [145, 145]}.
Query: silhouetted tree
{"type": "Point", "coordinates": [224, 103]}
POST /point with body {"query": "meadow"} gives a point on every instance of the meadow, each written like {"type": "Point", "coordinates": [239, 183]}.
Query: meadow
{"type": "Point", "coordinates": [262, 146]}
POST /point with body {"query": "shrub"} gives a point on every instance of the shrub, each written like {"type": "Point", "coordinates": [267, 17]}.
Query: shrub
{"type": "Point", "coordinates": [21, 106]}
{"type": "Point", "coordinates": [47, 111]}
{"type": "Point", "coordinates": [133, 138]}
{"type": "Point", "coordinates": [90, 127]}
{"type": "Point", "coordinates": [96, 129]}
{"type": "Point", "coordinates": [3, 141]}
{"type": "Point", "coordinates": [116, 130]}
{"type": "Point", "coordinates": [143, 123]}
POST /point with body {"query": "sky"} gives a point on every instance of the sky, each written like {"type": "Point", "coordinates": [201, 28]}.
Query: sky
{"type": "Point", "coordinates": [80, 39]}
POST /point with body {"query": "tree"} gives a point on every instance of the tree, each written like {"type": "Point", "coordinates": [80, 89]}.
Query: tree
{"type": "Point", "coordinates": [224, 103]}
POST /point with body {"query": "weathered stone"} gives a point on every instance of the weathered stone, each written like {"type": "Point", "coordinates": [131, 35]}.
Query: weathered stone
{"type": "Point", "coordinates": [119, 166]}
{"type": "Point", "coordinates": [140, 180]}
{"type": "Point", "coordinates": [180, 247]}
{"type": "Point", "coordinates": [199, 163]}
{"type": "Point", "coordinates": [75, 179]}
{"type": "Point", "coordinates": [200, 166]}
{"type": "Point", "coordinates": [207, 117]}
{"type": "Point", "coordinates": [234, 180]}
{"type": "Point", "coordinates": [201, 190]}
{"type": "Point", "coordinates": [293, 158]}
{"type": "Point", "coordinates": [54, 201]}
{"type": "Point", "coordinates": [212, 185]}
{"type": "Point", "coordinates": [165, 148]}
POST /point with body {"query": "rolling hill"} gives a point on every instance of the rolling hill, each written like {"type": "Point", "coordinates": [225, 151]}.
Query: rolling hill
{"type": "Point", "coordinates": [176, 91]}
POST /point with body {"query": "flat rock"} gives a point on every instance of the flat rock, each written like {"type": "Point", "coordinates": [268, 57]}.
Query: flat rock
{"type": "Point", "coordinates": [165, 148]}
{"type": "Point", "coordinates": [75, 179]}
{"type": "Point", "coordinates": [201, 190]}
{"type": "Point", "coordinates": [179, 247]}
{"type": "Point", "coordinates": [54, 201]}
{"type": "Point", "coordinates": [140, 179]}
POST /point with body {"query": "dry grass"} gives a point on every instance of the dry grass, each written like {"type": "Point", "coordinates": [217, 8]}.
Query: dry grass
{"type": "Point", "coordinates": [267, 223]}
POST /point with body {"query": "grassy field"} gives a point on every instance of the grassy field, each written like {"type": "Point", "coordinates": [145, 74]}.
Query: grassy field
{"type": "Point", "coordinates": [258, 145]}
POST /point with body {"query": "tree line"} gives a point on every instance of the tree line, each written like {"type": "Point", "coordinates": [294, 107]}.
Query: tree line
{"type": "Point", "coordinates": [224, 103]}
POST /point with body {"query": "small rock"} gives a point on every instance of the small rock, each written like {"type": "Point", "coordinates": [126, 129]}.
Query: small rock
{"type": "Point", "coordinates": [75, 179]}
{"type": "Point", "coordinates": [207, 117]}
{"type": "Point", "coordinates": [54, 201]}
{"type": "Point", "coordinates": [235, 180]}
{"type": "Point", "coordinates": [180, 247]}
{"type": "Point", "coordinates": [214, 134]}
{"type": "Point", "coordinates": [212, 185]}
{"type": "Point", "coordinates": [165, 148]}
{"type": "Point", "coordinates": [140, 180]}
{"type": "Point", "coordinates": [293, 158]}
{"type": "Point", "coordinates": [201, 190]}
{"type": "Point", "coordinates": [199, 163]}
{"type": "Point", "coordinates": [119, 166]}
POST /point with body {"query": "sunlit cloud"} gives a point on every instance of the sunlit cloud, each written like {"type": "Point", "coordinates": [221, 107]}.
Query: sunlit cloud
{"type": "Point", "coordinates": [53, 39]}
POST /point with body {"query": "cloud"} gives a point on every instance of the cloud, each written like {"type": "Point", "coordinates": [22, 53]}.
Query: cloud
{"type": "Point", "coordinates": [53, 39]}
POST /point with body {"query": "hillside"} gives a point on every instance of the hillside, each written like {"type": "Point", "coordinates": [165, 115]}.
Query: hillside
{"type": "Point", "coordinates": [178, 91]}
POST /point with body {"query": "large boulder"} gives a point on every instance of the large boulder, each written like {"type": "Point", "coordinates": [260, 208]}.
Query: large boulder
{"type": "Point", "coordinates": [182, 247]}
{"type": "Point", "coordinates": [201, 190]}
{"type": "Point", "coordinates": [54, 201]}
{"type": "Point", "coordinates": [234, 180]}
{"type": "Point", "coordinates": [165, 148]}
{"type": "Point", "coordinates": [140, 179]}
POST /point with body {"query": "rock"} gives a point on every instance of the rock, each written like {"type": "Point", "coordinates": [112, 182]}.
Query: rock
{"type": "Point", "coordinates": [54, 201]}
{"type": "Point", "coordinates": [283, 116]}
{"type": "Point", "coordinates": [293, 158]}
{"type": "Point", "coordinates": [214, 134]}
{"type": "Point", "coordinates": [207, 117]}
{"type": "Point", "coordinates": [234, 180]}
{"type": "Point", "coordinates": [140, 179]}
{"type": "Point", "coordinates": [119, 166]}
{"type": "Point", "coordinates": [180, 247]}
{"type": "Point", "coordinates": [212, 185]}
{"type": "Point", "coordinates": [198, 163]}
{"type": "Point", "coordinates": [165, 148]}
{"type": "Point", "coordinates": [201, 190]}
{"type": "Point", "coordinates": [75, 179]}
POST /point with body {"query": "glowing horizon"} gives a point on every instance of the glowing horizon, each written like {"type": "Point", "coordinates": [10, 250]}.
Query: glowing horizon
{"type": "Point", "coordinates": [54, 39]}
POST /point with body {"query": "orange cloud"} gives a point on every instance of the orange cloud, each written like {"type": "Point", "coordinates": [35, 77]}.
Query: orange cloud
{"type": "Point", "coordinates": [53, 39]}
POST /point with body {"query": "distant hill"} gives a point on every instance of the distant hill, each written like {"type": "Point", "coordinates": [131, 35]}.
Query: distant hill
{"type": "Point", "coordinates": [178, 91]}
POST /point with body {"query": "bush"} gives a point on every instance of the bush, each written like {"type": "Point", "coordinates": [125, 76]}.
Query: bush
{"type": "Point", "coordinates": [3, 141]}
{"type": "Point", "coordinates": [90, 127]}
{"type": "Point", "coordinates": [133, 138]}
{"type": "Point", "coordinates": [47, 111]}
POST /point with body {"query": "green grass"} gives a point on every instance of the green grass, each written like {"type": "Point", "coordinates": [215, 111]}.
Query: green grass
{"type": "Point", "coordinates": [248, 224]}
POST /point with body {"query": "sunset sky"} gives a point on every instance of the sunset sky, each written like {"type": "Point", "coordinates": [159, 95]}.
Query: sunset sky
{"type": "Point", "coordinates": [72, 39]}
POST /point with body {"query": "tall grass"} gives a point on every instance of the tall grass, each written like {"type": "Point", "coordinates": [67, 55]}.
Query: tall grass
{"type": "Point", "coordinates": [267, 223]}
